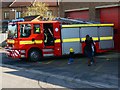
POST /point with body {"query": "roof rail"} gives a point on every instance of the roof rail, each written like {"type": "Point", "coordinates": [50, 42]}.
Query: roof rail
{"type": "Point", "coordinates": [71, 21]}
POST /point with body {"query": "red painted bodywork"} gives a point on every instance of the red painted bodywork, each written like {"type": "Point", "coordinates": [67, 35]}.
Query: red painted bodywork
{"type": "Point", "coordinates": [96, 46]}
{"type": "Point", "coordinates": [56, 47]}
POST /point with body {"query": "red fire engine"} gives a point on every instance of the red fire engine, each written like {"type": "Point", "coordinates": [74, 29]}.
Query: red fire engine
{"type": "Point", "coordinates": [36, 39]}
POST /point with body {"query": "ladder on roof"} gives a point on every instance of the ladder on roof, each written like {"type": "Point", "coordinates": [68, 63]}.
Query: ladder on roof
{"type": "Point", "coordinates": [71, 21]}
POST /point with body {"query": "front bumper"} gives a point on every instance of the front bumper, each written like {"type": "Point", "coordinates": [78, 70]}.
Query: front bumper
{"type": "Point", "coordinates": [14, 53]}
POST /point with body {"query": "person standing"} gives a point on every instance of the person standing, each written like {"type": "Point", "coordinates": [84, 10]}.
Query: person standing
{"type": "Point", "coordinates": [71, 56]}
{"type": "Point", "coordinates": [93, 51]}
{"type": "Point", "coordinates": [88, 49]}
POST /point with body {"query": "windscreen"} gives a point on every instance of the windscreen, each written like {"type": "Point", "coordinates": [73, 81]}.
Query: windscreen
{"type": "Point", "coordinates": [12, 30]}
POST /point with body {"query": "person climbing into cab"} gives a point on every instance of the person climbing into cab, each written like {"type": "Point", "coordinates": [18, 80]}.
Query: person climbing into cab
{"type": "Point", "coordinates": [48, 37]}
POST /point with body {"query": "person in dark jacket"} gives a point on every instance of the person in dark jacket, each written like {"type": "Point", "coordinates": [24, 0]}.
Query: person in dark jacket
{"type": "Point", "coordinates": [93, 51]}
{"type": "Point", "coordinates": [88, 49]}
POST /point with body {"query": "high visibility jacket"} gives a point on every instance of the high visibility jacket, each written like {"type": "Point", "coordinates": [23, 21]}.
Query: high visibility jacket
{"type": "Point", "coordinates": [37, 30]}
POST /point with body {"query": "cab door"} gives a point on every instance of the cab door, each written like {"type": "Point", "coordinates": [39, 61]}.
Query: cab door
{"type": "Point", "coordinates": [48, 34]}
{"type": "Point", "coordinates": [48, 39]}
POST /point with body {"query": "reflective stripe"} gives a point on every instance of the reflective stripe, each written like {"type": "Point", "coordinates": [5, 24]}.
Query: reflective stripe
{"type": "Point", "coordinates": [48, 50]}
{"type": "Point", "coordinates": [37, 30]}
{"type": "Point", "coordinates": [38, 41]}
{"type": "Point", "coordinates": [22, 51]}
{"type": "Point", "coordinates": [71, 40]}
{"type": "Point", "coordinates": [22, 56]}
{"type": "Point", "coordinates": [48, 54]}
{"type": "Point", "coordinates": [94, 39]}
{"type": "Point", "coordinates": [26, 42]}
{"type": "Point", "coordinates": [17, 52]}
{"type": "Point", "coordinates": [86, 25]}
{"type": "Point", "coordinates": [31, 42]}
{"type": "Point", "coordinates": [106, 38]}
{"type": "Point", "coordinates": [10, 41]}
{"type": "Point", "coordinates": [64, 40]}
{"type": "Point", "coordinates": [57, 41]}
{"type": "Point", "coordinates": [83, 39]}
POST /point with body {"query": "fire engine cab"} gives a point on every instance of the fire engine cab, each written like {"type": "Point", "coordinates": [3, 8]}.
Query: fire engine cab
{"type": "Point", "coordinates": [33, 40]}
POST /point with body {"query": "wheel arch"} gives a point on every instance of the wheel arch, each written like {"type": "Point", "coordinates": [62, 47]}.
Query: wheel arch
{"type": "Point", "coordinates": [33, 48]}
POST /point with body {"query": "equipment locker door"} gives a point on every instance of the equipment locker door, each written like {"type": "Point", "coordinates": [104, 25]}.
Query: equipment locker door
{"type": "Point", "coordinates": [91, 31]}
{"type": "Point", "coordinates": [106, 38]}
{"type": "Point", "coordinates": [70, 39]}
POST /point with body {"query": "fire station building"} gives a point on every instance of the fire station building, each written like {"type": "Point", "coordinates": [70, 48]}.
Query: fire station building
{"type": "Point", "coordinates": [103, 12]}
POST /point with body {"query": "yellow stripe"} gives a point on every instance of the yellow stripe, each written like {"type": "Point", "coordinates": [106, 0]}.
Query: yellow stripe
{"type": "Point", "coordinates": [57, 41]}
{"type": "Point", "coordinates": [94, 39]}
{"type": "Point", "coordinates": [26, 42]}
{"type": "Point", "coordinates": [31, 42]}
{"type": "Point", "coordinates": [10, 41]}
{"type": "Point", "coordinates": [86, 25]}
{"type": "Point", "coordinates": [101, 38]}
{"type": "Point", "coordinates": [38, 41]}
{"type": "Point", "coordinates": [106, 38]}
{"type": "Point", "coordinates": [71, 40]}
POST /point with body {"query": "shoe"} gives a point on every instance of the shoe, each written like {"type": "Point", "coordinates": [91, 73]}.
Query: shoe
{"type": "Point", "coordinates": [89, 64]}
{"type": "Point", "coordinates": [69, 63]}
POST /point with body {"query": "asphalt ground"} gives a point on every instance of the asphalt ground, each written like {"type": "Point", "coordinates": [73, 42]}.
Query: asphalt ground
{"type": "Point", "coordinates": [76, 75]}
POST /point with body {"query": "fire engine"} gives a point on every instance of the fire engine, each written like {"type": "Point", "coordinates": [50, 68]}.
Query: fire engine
{"type": "Point", "coordinates": [33, 40]}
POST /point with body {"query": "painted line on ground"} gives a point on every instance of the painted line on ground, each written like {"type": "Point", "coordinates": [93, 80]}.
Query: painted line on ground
{"type": "Point", "coordinates": [94, 84]}
{"type": "Point", "coordinates": [100, 66]}
{"type": "Point", "coordinates": [49, 62]}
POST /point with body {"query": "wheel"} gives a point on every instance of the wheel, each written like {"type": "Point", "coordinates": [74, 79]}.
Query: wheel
{"type": "Point", "coordinates": [34, 55]}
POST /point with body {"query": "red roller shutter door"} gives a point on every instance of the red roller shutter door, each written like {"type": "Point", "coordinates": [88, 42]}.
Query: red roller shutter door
{"type": "Point", "coordinates": [78, 14]}
{"type": "Point", "coordinates": [110, 15]}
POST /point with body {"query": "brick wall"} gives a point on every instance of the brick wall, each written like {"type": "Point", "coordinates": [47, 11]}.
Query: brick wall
{"type": "Point", "coordinates": [93, 14]}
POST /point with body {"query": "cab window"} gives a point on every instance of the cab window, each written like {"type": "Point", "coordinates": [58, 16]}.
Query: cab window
{"type": "Point", "coordinates": [25, 30]}
{"type": "Point", "coordinates": [36, 29]}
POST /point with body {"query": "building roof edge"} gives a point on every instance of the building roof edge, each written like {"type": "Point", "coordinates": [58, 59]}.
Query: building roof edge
{"type": "Point", "coordinates": [80, 9]}
{"type": "Point", "coordinates": [107, 6]}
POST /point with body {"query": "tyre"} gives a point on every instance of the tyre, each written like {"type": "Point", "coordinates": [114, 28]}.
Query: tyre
{"type": "Point", "coordinates": [34, 55]}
